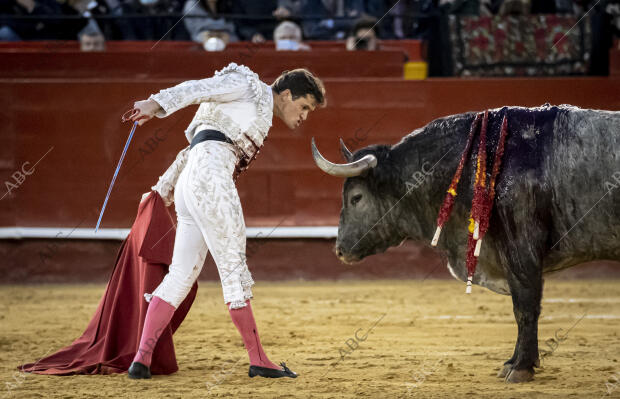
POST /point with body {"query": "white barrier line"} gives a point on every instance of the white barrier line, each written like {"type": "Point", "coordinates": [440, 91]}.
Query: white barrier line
{"type": "Point", "coordinates": [121, 234]}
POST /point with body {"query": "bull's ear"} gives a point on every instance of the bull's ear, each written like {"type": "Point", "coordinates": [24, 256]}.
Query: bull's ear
{"type": "Point", "coordinates": [346, 154]}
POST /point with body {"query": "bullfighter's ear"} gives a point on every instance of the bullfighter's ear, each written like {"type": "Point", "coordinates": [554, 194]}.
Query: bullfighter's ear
{"type": "Point", "coordinates": [346, 154]}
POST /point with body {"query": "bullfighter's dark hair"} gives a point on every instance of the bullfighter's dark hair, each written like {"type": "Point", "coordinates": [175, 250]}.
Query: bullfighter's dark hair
{"type": "Point", "coordinates": [301, 82]}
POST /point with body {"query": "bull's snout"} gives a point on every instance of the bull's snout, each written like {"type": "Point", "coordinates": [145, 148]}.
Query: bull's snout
{"type": "Point", "coordinates": [338, 252]}
{"type": "Point", "coordinates": [344, 256]}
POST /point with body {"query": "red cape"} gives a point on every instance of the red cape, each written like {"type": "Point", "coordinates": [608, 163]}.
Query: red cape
{"type": "Point", "coordinates": [112, 337]}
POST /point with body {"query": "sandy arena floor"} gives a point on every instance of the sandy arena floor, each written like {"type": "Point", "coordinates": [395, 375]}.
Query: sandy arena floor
{"type": "Point", "coordinates": [429, 340]}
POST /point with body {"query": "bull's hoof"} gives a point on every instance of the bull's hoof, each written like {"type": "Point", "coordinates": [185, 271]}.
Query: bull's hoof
{"type": "Point", "coordinates": [503, 372]}
{"type": "Point", "coordinates": [516, 376]}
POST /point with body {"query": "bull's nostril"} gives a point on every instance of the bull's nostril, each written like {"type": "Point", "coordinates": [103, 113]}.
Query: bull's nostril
{"type": "Point", "coordinates": [339, 253]}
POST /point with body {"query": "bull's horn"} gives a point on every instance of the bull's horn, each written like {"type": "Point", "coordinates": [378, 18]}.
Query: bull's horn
{"type": "Point", "coordinates": [345, 151]}
{"type": "Point", "coordinates": [350, 169]}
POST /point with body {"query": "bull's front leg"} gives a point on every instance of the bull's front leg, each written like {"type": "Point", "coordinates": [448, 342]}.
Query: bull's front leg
{"type": "Point", "coordinates": [526, 295]}
{"type": "Point", "coordinates": [521, 249]}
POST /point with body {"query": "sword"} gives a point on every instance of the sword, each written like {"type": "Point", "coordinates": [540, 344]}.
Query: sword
{"type": "Point", "coordinates": [124, 118]}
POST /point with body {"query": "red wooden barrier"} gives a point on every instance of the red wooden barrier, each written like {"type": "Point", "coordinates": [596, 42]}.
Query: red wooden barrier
{"type": "Point", "coordinates": [197, 64]}
{"type": "Point", "coordinates": [413, 48]}
{"type": "Point", "coordinates": [77, 121]}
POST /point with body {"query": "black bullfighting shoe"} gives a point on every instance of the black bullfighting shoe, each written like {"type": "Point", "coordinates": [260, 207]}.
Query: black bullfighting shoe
{"type": "Point", "coordinates": [138, 371]}
{"type": "Point", "coordinates": [272, 373]}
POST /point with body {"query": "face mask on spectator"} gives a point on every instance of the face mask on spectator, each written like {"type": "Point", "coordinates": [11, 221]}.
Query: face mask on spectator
{"type": "Point", "coordinates": [287, 44]}
{"type": "Point", "coordinates": [214, 44]}
{"type": "Point", "coordinates": [148, 3]}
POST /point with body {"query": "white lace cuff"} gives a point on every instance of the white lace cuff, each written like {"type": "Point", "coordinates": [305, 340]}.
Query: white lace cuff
{"type": "Point", "coordinates": [237, 305]}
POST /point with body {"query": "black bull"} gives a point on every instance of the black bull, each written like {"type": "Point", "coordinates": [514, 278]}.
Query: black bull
{"type": "Point", "coordinates": [556, 204]}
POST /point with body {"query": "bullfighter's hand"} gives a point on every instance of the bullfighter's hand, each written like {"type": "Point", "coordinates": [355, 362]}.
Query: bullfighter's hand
{"type": "Point", "coordinates": [146, 110]}
{"type": "Point", "coordinates": [144, 196]}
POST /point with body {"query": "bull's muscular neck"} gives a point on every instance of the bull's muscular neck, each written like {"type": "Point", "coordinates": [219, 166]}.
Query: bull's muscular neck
{"type": "Point", "coordinates": [427, 160]}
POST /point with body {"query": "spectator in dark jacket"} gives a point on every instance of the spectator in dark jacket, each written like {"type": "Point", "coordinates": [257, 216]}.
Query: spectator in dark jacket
{"type": "Point", "coordinates": [152, 28]}
{"type": "Point", "coordinates": [211, 24]}
{"type": "Point", "coordinates": [260, 27]}
{"type": "Point", "coordinates": [337, 17]}
{"type": "Point", "coordinates": [40, 29]}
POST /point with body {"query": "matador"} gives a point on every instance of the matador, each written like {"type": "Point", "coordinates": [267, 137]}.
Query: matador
{"type": "Point", "coordinates": [229, 128]}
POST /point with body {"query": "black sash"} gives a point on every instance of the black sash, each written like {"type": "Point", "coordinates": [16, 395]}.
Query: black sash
{"type": "Point", "coordinates": [209, 134]}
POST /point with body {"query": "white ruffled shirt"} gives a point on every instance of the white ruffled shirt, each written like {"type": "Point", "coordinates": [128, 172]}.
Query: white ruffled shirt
{"type": "Point", "coordinates": [234, 101]}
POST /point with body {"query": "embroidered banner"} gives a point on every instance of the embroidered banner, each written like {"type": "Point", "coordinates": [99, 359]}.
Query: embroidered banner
{"type": "Point", "coordinates": [519, 45]}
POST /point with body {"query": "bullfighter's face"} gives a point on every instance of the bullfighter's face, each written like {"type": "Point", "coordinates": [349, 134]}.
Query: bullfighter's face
{"type": "Point", "coordinates": [294, 112]}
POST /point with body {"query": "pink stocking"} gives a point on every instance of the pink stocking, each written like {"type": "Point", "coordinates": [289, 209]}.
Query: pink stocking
{"type": "Point", "coordinates": [158, 317]}
{"type": "Point", "coordinates": [244, 321]}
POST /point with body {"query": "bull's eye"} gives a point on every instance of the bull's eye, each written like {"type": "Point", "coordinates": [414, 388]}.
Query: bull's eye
{"type": "Point", "coordinates": [356, 198]}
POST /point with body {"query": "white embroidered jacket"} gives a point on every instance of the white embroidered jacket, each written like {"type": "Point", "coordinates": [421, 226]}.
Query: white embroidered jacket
{"type": "Point", "coordinates": [233, 101]}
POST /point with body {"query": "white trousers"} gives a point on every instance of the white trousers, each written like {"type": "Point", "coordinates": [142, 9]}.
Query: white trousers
{"type": "Point", "coordinates": [210, 218]}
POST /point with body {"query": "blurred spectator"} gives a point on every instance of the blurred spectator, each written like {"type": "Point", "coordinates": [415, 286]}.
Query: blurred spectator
{"type": "Point", "coordinates": [214, 43]}
{"type": "Point", "coordinates": [363, 35]}
{"type": "Point", "coordinates": [287, 36]}
{"type": "Point", "coordinates": [325, 22]}
{"type": "Point", "coordinates": [91, 38]}
{"type": "Point", "coordinates": [399, 20]}
{"type": "Point", "coordinates": [8, 35]}
{"type": "Point", "coordinates": [564, 7]}
{"type": "Point", "coordinates": [151, 27]}
{"type": "Point", "coordinates": [515, 7]}
{"type": "Point", "coordinates": [512, 7]}
{"type": "Point", "coordinates": [426, 26]}
{"type": "Point", "coordinates": [212, 26]}
{"type": "Point", "coordinates": [218, 38]}
{"type": "Point", "coordinates": [93, 9]}
{"type": "Point", "coordinates": [462, 7]}
{"type": "Point", "coordinates": [323, 28]}
{"type": "Point", "coordinates": [602, 28]}
{"type": "Point", "coordinates": [288, 8]}
{"type": "Point", "coordinates": [39, 29]}
{"type": "Point", "coordinates": [382, 10]}
{"type": "Point", "coordinates": [613, 9]}
{"type": "Point", "coordinates": [489, 7]}
{"type": "Point", "coordinates": [582, 6]}
{"type": "Point", "coordinates": [333, 19]}
{"type": "Point", "coordinates": [260, 26]}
